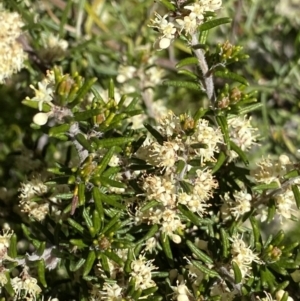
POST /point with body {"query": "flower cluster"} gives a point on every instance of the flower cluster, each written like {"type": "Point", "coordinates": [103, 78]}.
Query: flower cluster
{"type": "Point", "coordinates": [4, 245]}
{"type": "Point", "coordinates": [141, 273]}
{"type": "Point", "coordinates": [108, 293]}
{"type": "Point", "coordinates": [188, 23]}
{"type": "Point", "coordinates": [31, 193]}
{"type": "Point", "coordinates": [242, 134]}
{"type": "Point", "coordinates": [44, 92]}
{"type": "Point", "coordinates": [236, 207]}
{"type": "Point", "coordinates": [185, 140]}
{"type": "Point", "coordinates": [12, 55]}
{"type": "Point", "coordinates": [242, 255]}
{"type": "Point", "coordinates": [25, 287]}
{"type": "Point", "coordinates": [279, 295]}
{"type": "Point", "coordinates": [271, 170]}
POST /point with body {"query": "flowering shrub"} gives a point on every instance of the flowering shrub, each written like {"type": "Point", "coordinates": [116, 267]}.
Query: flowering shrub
{"type": "Point", "coordinates": [113, 192]}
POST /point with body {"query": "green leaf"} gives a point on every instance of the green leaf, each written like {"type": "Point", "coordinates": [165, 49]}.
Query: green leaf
{"type": "Point", "coordinates": [278, 238]}
{"type": "Point", "coordinates": [198, 253]}
{"type": "Point", "coordinates": [87, 218]}
{"type": "Point", "coordinates": [109, 142]}
{"type": "Point", "coordinates": [149, 291]}
{"type": "Point", "coordinates": [111, 223]}
{"type": "Point", "coordinates": [112, 200]}
{"type": "Point", "coordinates": [182, 84]}
{"type": "Point", "coordinates": [256, 229]}
{"type": "Point", "coordinates": [105, 160]}
{"type": "Point", "coordinates": [237, 272]}
{"type": "Point", "coordinates": [130, 256]}
{"type": "Point", "coordinates": [214, 23]}
{"type": "Point", "coordinates": [262, 187]}
{"type": "Point", "coordinates": [64, 18]}
{"type": "Point", "coordinates": [96, 222]}
{"type": "Point", "coordinates": [132, 105]}
{"type": "Point", "coordinates": [149, 205]}
{"type": "Point", "coordinates": [98, 96]}
{"type": "Point", "coordinates": [107, 182]}
{"type": "Point", "coordinates": [225, 242]}
{"type": "Point", "coordinates": [205, 270]}
{"type": "Point", "coordinates": [81, 93]}
{"type": "Point", "coordinates": [89, 262]}
{"type": "Point", "coordinates": [41, 268]}
{"type": "Point", "coordinates": [35, 105]}
{"type": "Point", "coordinates": [12, 251]}
{"type": "Point", "coordinates": [105, 263]}
{"type": "Point", "coordinates": [248, 109]}
{"type": "Point", "coordinates": [187, 61]}
{"type": "Point", "coordinates": [200, 113]}
{"type": "Point", "coordinates": [222, 122]}
{"type": "Point", "coordinates": [98, 202]}
{"type": "Point", "coordinates": [168, 5]}
{"type": "Point", "coordinates": [188, 73]}
{"type": "Point", "coordinates": [111, 89]}
{"type": "Point", "coordinates": [296, 193]}
{"type": "Point", "coordinates": [81, 116]}
{"type": "Point", "coordinates": [157, 135]}
{"type": "Point", "coordinates": [190, 215]}
{"type": "Point", "coordinates": [81, 194]}
{"type": "Point", "coordinates": [75, 225]}
{"type": "Point", "coordinates": [220, 161]}
{"type": "Point", "coordinates": [165, 242]}
{"type": "Point", "coordinates": [152, 231]}
{"type": "Point", "coordinates": [75, 266]}
{"type": "Point", "coordinates": [240, 153]}
{"type": "Point", "coordinates": [84, 142]}
{"type": "Point", "coordinates": [114, 257]}
{"type": "Point", "coordinates": [8, 287]}
{"type": "Point", "coordinates": [231, 75]}
{"type": "Point", "coordinates": [288, 248]}
{"type": "Point", "coordinates": [278, 269]}
{"type": "Point", "coordinates": [187, 187]}
{"type": "Point", "coordinates": [78, 243]}
{"type": "Point", "coordinates": [58, 130]}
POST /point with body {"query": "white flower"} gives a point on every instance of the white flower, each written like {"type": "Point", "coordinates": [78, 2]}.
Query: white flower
{"type": "Point", "coordinates": [221, 289]}
{"type": "Point", "coordinates": [44, 92]}
{"type": "Point", "coordinates": [125, 73]}
{"type": "Point", "coordinates": [49, 40]}
{"type": "Point", "coordinates": [26, 286]}
{"type": "Point", "coordinates": [285, 202]}
{"type": "Point", "coordinates": [239, 205]}
{"type": "Point", "coordinates": [243, 255]}
{"type": "Point", "coordinates": [141, 272]}
{"type": "Point", "coordinates": [210, 138]}
{"type": "Point", "coordinates": [169, 124]}
{"type": "Point", "coordinates": [197, 9]}
{"type": "Point", "coordinates": [4, 241]}
{"type": "Point", "coordinates": [269, 170]}
{"type": "Point", "coordinates": [32, 188]}
{"type": "Point", "coordinates": [167, 29]}
{"type": "Point", "coordinates": [161, 189]}
{"type": "Point", "coordinates": [188, 24]}
{"type": "Point", "coordinates": [12, 55]}
{"type": "Point", "coordinates": [242, 133]}
{"type": "Point", "coordinates": [31, 202]}
{"type": "Point", "coordinates": [182, 292]}
{"type": "Point", "coordinates": [162, 155]}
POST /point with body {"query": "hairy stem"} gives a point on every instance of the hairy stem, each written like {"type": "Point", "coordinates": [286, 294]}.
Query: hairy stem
{"type": "Point", "coordinates": [208, 78]}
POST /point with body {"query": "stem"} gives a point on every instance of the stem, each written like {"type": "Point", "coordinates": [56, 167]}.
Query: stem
{"type": "Point", "coordinates": [208, 79]}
